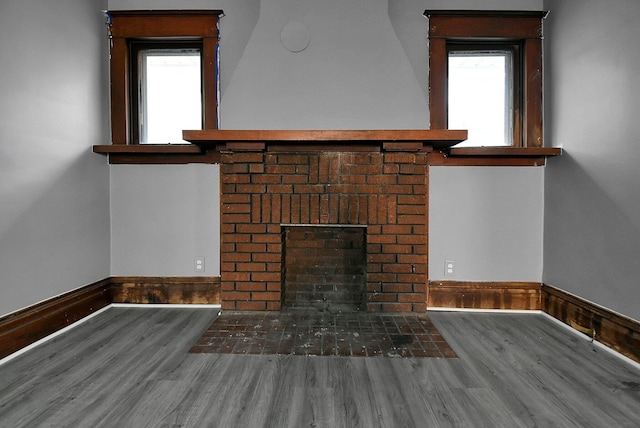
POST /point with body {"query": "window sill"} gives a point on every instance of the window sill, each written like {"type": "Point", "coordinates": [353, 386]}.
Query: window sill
{"type": "Point", "coordinates": [156, 154]}
{"type": "Point", "coordinates": [494, 156]}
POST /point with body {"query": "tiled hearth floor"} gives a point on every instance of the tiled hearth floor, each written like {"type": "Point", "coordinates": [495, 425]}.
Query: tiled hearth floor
{"type": "Point", "coordinates": [321, 334]}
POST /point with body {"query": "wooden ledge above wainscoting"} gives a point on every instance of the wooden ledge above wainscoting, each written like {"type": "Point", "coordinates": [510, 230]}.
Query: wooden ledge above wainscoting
{"type": "Point", "coordinates": [484, 295]}
{"type": "Point", "coordinates": [494, 156]}
{"type": "Point", "coordinates": [203, 290]}
{"type": "Point", "coordinates": [599, 323]}
{"type": "Point", "coordinates": [26, 326]}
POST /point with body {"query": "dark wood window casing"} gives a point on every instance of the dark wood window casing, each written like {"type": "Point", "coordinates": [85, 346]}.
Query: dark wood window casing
{"type": "Point", "coordinates": [125, 27]}
{"type": "Point", "coordinates": [450, 28]}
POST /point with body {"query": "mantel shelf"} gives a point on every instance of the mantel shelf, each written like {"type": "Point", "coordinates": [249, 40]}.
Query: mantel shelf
{"type": "Point", "coordinates": [400, 139]}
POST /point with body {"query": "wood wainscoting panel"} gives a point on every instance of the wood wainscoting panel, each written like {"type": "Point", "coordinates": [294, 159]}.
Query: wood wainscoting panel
{"type": "Point", "coordinates": [484, 295]}
{"type": "Point", "coordinates": [604, 325]}
{"type": "Point", "coordinates": [24, 327]}
{"type": "Point", "coordinates": [173, 290]}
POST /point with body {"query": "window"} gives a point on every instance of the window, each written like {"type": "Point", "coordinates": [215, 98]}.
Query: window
{"type": "Point", "coordinates": [166, 91]}
{"type": "Point", "coordinates": [163, 74]}
{"type": "Point", "coordinates": [483, 93]}
{"type": "Point", "coordinates": [485, 75]}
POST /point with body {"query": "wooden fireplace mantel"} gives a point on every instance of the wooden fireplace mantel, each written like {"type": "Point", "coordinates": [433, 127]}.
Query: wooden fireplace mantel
{"type": "Point", "coordinates": [410, 140]}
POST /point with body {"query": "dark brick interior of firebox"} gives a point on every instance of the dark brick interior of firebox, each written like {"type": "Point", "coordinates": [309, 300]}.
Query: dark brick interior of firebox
{"type": "Point", "coordinates": [325, 269]}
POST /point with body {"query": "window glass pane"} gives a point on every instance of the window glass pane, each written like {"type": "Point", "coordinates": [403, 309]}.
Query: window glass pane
{"type": "Point", "coordinates": [170, 98]}
{"type": "Point", "coordinates": [480, 96]}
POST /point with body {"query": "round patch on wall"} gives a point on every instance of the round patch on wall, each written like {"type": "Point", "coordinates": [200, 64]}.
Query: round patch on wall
{"type": "Point", "coordinates": [295, 36]}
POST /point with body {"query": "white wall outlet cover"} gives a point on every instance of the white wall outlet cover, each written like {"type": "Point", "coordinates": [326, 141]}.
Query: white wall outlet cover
{"type": "Point", "coordinates": [199, 264]}
{"type": "Point", "coordinates": [449, 267]}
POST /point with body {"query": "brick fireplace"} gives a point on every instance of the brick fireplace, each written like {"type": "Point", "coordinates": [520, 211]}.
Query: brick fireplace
{"type": "Point", "coordinates": [276, 181]}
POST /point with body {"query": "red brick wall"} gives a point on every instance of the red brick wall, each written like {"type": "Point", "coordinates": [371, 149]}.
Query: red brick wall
{"type": "Point", "coordinates": [385, 191]}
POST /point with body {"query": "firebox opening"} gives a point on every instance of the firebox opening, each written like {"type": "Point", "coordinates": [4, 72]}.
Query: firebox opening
{"type": "Point", "coordinates": [324, 268]}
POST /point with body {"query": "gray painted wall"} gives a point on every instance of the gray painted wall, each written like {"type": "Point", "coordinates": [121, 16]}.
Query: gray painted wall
{"type": "Point", "coordinates": [488, 221]}
{"type": "Point", "coordinates": [592, 195]}
{"type": "Point", "coordinates": [255, 42]}
{"type": "Point", "coordinates": [54, 192]}
{"type": "Point", "coordinates": [163, 216]}
{"type": "Point", "coordinates": [353, 74]}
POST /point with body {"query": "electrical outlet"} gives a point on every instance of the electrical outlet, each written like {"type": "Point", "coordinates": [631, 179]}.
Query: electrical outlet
{"type": "Point", "coordinates": [449, 268]}
{"type": "Point", "coordinates": [199, 264]}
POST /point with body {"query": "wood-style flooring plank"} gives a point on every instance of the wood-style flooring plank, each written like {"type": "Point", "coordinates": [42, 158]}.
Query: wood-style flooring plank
{"type": "Point", "coordinates": [491, 357]}
{"type": "Point", "coordinates": [539, 368]}
{"type": "Point", "coordinates": [354, 395]}
{"type": "Point", "coordinates": [390, 386]}
{"type": "Point", "coordinates": [131, 367]}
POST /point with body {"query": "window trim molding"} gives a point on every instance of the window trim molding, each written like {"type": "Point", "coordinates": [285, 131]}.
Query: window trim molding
{"type": "Point", "coordinates": [187, 25]}
{"type": "Point", "coordinates": [524, 27]}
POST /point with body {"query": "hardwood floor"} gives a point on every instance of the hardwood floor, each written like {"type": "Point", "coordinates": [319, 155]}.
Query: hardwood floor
{"type": "Point", "coordinates": [130, 367]}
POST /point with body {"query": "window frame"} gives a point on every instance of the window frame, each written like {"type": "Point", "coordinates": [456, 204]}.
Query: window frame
{"type": "Point", "coordinates": [125, 27]}
{"type": "Point", "coordinates": [450, 27]}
